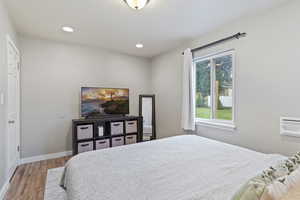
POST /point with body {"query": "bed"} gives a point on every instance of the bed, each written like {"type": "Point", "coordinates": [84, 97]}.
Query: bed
{"type": "Point", "coordinates": [176, 168]}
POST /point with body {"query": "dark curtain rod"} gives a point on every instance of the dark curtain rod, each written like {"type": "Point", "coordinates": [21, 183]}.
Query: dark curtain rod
{"type": "Point", "coordinates": [236, 36]}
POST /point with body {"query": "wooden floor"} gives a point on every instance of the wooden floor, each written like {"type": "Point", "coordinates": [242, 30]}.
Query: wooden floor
{"type": "Point", "coordinates": [29, 180]}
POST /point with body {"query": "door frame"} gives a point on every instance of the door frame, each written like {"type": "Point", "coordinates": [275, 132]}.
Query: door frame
{"type": "Point", "coordinates": [9, 42]}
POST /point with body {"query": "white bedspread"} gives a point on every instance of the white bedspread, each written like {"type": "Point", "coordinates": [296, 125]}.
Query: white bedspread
{"type": "Point", "coordinates": [177, 168]}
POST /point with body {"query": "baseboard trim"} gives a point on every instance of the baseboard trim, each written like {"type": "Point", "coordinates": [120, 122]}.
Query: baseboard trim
{"type": "Point", "coordinates": [45, 157]}
{"type": "Point", "coordinates": [4, 190]}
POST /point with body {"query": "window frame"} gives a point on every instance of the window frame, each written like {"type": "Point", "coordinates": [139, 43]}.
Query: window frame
{"type": "Point", "coordinates": [212, 122]}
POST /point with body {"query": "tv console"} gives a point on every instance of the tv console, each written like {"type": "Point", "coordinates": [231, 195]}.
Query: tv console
{"type": "Point", "coordinates": [104, 132]}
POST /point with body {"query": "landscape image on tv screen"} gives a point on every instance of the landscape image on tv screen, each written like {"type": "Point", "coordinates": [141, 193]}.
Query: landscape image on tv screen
{"type": "Point", "coordinates": [104, 101]}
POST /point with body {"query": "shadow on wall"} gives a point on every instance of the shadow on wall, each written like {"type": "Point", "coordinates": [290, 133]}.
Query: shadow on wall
{"type": "Point", "coordinates": [69, 140]}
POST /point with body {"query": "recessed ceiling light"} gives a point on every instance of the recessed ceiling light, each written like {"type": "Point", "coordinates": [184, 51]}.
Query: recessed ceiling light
{"type": "Point", "coordinates": [68, 29]}
{"type": "Point", "coordinates": [139, 46]}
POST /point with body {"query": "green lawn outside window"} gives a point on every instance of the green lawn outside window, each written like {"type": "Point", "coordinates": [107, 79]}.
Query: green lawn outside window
{"type": "Point", "coordinates": [222, 114]}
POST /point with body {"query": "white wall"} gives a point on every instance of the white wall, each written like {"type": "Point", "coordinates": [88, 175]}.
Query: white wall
{"type": "Point", "coordinates": [52, 73]}
{"type": "Point", "coordinates": [267, 77]}
{"type": "Point", "coordinates": [5, 28]}
{"type": "Point", "coordinates": [166, 85]}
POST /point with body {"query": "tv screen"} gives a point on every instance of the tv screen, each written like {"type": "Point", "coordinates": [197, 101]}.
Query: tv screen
{"type": "Point", "coordinates": [104, 101]}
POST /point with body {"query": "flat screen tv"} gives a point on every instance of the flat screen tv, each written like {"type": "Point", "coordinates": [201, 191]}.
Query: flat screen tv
{"type": "Point", "coordinates": [97, 101]}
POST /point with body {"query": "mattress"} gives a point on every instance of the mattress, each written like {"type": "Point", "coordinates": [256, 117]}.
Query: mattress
{"type": "Point", "coordinates": [176, 168]}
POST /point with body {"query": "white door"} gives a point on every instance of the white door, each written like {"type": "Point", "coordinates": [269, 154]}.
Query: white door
{"type": "Point", "coordinates": [13, 107]}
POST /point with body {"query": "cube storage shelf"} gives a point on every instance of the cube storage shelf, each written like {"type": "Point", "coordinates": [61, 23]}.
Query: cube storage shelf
{"type": "Point", "coordinates": [106, 132]}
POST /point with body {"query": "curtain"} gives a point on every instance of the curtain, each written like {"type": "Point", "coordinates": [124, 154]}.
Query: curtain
{"type": "Point", "coordinates": [188, 94]}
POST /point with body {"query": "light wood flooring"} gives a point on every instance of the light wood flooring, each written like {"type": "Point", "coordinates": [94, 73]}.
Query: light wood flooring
{"type": "Point", "coordinates": [29, 180]}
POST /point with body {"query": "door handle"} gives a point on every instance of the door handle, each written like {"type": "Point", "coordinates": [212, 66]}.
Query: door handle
{"type": "Point", "coordinates": [11, 121]}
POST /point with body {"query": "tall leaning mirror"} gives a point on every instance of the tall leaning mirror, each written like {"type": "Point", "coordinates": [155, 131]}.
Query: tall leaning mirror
{"type": "Point", "coordinates": [147, 111]}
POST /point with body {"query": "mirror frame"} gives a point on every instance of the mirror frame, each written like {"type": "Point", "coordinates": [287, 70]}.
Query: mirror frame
{"type": "Point", "coordinates": [153, 113]}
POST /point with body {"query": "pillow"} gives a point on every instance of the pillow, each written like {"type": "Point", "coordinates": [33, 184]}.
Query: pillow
{"type": "Point", "coordinates": [293, 194]}
{"type": "Point", "coordinates": [273, 183]}
{"type": "Point", "coordinates": [283, 185]}
{"type": "Point", "coordinates": [254, 189]}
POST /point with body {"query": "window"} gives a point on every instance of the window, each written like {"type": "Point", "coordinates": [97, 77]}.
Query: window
{"type": "Point", "coordinates": [215, 88]}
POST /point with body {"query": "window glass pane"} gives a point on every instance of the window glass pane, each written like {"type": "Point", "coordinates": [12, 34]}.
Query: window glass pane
{"type": "Point", "coordinates": [223, 91]}
{"type": "Point", "coordinates": [203, 82]}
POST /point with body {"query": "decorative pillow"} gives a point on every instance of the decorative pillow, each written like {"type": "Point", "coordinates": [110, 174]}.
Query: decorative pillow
{"type": "Point", "coordinates": [274, 183]}
{"type": "Point", "coordinates": [254, 189]}
{"type": "Point", "coordinates": [293, 194]}
{"type": "Point", "coordinates": [284, 184]}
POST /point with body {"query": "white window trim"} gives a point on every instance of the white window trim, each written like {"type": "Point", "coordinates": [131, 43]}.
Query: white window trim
{"type": "Point", "coordinates": [215, 123]}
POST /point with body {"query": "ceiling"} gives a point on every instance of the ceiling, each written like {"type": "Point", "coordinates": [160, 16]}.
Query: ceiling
{"type": "Point", "coordinates": [111, 24]}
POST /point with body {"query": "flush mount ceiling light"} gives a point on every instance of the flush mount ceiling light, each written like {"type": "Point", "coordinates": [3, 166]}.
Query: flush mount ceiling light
{"type": "Point", "coordinates": [139, 46]}
{"type": "Point", "coordinates": [137, 4]}
{"type": "Point", "coordinates": [68, 29]}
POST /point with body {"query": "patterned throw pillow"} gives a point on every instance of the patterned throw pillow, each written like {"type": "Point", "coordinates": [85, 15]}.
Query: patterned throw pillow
{"type": "Point", "coordinates": [293, 194]}
{"type": "Point", "coordinates": [254, 189]}
{"type": "Point", "coordinates": [286, 183]}
{"type": "Point", "coordinates": [274, 183]}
